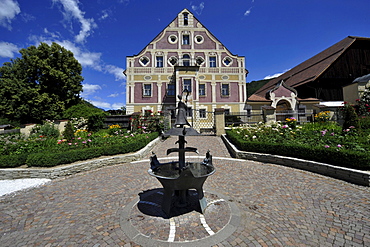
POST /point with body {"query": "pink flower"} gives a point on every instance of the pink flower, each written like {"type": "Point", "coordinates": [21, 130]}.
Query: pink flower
{"type": "Point", "coordinates": [332, 133]}
{"type": "Point", "coordinates": [84, 142]}
{"type": "Point", "coordinates": [69, 144]}
{"type": "Point", "coordinates": [89, 140]}
{"type": "Point", "coordinates": [285, 126]}
{"type": "Point", "coordinates": [327, 146]}
{"type": "Point", "coordinates": [79, 138]}
{"type": "Point", "coordinates": [339, 146]}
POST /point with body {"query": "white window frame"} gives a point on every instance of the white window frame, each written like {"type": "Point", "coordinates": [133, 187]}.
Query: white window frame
{"type": "Point", "coordinates": [141, 62]}
{"type": "Point", "coordinates": [212, 61]}
{"type": "Point", "coordinates": [223, 92]}
{"type": "Point", "coordinates": [147, 92]}
{"type": "Point", "coordinates": [187, 86]}
{"type": "Point", "coordinates": [159, 61]}
{"type": "Point", "coordinates": [205, 90]}
{"type": "Point", "coordinates": [187, 40]}
{"type": "Point", "coordinates": [229, 59]}
{"type": "Point", "coordinates": [174, 89]}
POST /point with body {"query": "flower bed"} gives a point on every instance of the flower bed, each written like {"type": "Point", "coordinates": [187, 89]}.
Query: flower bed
{"type": "Point", "coordinates": [323, 142]}
{"type": "Point", "coordinates": [40, 150]}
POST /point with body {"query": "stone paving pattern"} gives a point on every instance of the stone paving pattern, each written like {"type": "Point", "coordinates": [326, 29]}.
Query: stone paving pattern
{"type": "Point", "coordinates": [279, 206]}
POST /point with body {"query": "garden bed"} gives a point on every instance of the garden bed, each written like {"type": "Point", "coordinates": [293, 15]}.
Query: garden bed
{"type": "Point", "coordinates": [350, 175]}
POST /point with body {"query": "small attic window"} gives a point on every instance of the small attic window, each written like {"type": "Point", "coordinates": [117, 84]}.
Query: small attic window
{"type": "Point", "coordinates": [186, 19]}
{"type": "Point", "coordinates": [144, 61]}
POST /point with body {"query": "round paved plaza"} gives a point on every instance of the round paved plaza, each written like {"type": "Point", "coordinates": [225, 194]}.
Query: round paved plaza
{"type": "Point", "coordinates": [249, 204]}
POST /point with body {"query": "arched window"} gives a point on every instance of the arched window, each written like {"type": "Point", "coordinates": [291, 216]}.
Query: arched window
{"type": "Point", "coordinates": [186, 60]}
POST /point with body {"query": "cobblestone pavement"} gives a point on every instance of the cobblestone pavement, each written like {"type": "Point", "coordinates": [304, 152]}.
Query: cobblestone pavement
{"type": "Point", "coordinates": [253, 204]}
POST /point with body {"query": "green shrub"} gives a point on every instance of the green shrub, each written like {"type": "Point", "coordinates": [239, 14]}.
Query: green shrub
{"type": "Point", "coordinates": [350, 117]}
{"type": "Point", "coordinates": [13, 160]}
{"type": "Point", "coordinates": [96, 121]}
{"type": "Point", "coordinates": [48, 128]}
{"type": "Point", "coordinates": [345, 158]}
{"type": "Point", "coordinates": [365, 122]}
{"type": "Point", "coordinates": [48, 159]}
{"type": "Point", "coordinates": [68, 132]}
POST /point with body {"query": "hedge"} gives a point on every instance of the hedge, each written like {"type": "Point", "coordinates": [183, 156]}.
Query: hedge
{"type": "Point", "coordinates": [54, 159]}
{"type": "Point", "coordinates": [13, 160]}
{"type": "Point", "coordinates": [48, 159]}
{"type": "Point", "coordinates": [345, 158]}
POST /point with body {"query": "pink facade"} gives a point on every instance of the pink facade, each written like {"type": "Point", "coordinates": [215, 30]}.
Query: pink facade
{"type": "Point", "coordinates": [185, 51]}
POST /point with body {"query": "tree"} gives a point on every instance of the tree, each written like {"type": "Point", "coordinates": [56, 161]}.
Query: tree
{"type": "Point", "coordinates": [40, 85]}
{"type": "Point", "coordinates": [83, 109]}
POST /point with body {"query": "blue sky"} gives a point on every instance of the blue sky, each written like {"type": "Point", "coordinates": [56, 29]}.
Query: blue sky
{"type": "Point", "coordinates": [273, 35]}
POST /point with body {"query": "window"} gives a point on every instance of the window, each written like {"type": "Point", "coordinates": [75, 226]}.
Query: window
{"type": "Point", "coordinates": [227, 61]}
{"type": "Point", "coordinates": [202, 89]}
{"type": "Point", "coordinates": [186, 60]}
{"type": "Point", "coordinates": [186, 39]}
{"type": "Point", "coordinates": [212, 62]}
{"type": "Point", "coordinates": [147, 90]}
{"type": "Point", "coordinates": [144, 61]}
{"type": "Point", "coordinates": [159, 61]}
{"type": "Point", "coordinates": [199, 39]}
{"type": "Point", "coordinates": [171, 89]}
{"type": "Point", "coordinates": [199, 60]}
{"type": "Point", "coordinates": [187, 85]}
{"type": "Point", "coordinates": [227, 111]}
{"type": "Point", "coordinates": [202, 113]}
{"type": "Point", "coordinates": [173, 61]}
{"type": "Point", "coordinates": [186, 19]}
{"type": "Point", "coordinates": [172, 39]}
{"type": "Point", "coordinates": [225, 90]}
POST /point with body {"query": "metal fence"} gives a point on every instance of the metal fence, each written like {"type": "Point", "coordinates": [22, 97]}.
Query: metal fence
{"type": "Point", "coordinates": [301, 116]}
{"type": "Point", "coordinates": [203, 121]}
{"type": "Point", "coordinates": [239, 118]}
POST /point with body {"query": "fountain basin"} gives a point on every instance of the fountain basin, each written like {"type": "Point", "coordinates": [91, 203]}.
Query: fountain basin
{"type": "Point", "coordinates": [177, 181]}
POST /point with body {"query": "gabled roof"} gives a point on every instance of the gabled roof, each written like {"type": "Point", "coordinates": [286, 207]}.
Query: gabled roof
{"type": "Point", "coordinates": [310, 69]}
{"type": "Point", "coordinates": [210, 33]}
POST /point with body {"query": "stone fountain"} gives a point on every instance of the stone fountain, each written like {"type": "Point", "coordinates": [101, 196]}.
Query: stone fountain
{"type": "Point", "coordinates": [177, 177]}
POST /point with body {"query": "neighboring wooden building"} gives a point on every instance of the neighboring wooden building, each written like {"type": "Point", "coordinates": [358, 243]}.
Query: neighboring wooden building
{"type": "Point", "coordinates": [354, 91]}
{"type": "Point", "coordinates": [318, 79]}
{"type": "Point", "coordinates": [185, 55]}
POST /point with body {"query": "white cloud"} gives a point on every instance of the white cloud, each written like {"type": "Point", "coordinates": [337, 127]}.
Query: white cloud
{"type": "Point", "coordinates": [125, 2]}
{"type": "Point", "coordinates": [100, 104]}
{"type": "Point", "coordinates": [72, 11]}
{"type": "Point", "coordinates": [8, 49]}
{"type": "Point", "coordinates": [248, 12]}
{"type": "Point", "coordinates": [89, 89]}
{"type": "Point", "coordinates": [116, 106]}
{"type": "Point", "coordinates": [113, 95]}
{"type": "Point", "coordinates": [275, 75]}
{"type": "Point", "coordinates": [8, 10]}
{"type": "Point", "coordinates": [198, 9]}
{"type": "Point", "coordinates": [104, 15]}
{"type": "Point", "coordinates": [116, 71]}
